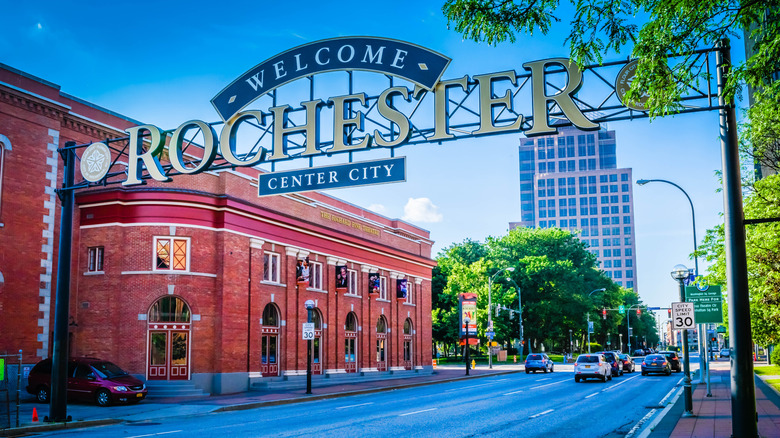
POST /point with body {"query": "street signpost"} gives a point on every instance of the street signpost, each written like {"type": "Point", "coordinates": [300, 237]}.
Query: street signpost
{"type": "Point", "coordinates": [682, 316]}
{"type": "Point", "coordinates": [708, 303]}
{"type": "Point", "coordinates": [308, 331]}
{"type": "Point", "coordinates": [622, 309]}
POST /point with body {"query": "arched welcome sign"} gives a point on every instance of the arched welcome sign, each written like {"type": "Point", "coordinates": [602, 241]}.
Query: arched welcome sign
{"type": "Point", "coordinates": [414, 106]}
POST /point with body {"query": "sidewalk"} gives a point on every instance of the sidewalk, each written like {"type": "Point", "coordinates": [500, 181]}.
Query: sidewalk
{"type": "Point", "coordinates": [712, 415]}
{"type": "Point", "coordinates": [85, 415]}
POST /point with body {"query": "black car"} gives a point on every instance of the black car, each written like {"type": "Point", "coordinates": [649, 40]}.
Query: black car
{"type": "Point", "coordinates": [538, 362]}
{"type": "Point", "coordinates": [612, 358]}
{"type": "Point", "coordinates": [674, 360]}
{"type": "Point", "coordinates": [656, 363]}
{"type": "Point", "coordinates": [628, 363]}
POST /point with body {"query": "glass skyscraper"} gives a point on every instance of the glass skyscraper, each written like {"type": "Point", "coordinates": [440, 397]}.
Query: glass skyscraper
{"type": "Point", "coordinates": [571, 180]}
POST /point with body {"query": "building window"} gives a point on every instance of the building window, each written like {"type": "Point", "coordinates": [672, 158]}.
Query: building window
{"type": "Point", "coordinates": [626, 219]}
{"type": "Point", "coordinates": [618, 274]}
{"type": "Point", "coordinates": [352, 286]}
{"type": "Point", "coordinates": [95, 259]}
{"type": "Point", "coordinates": [630, 284]}
{"type": "Point", "coordinates": [382, 288]}
{"type": "Point", "coordinates": [409, 292]}
{"type": "Point", "coordinates": [315, 275]}
{"type": "Point", "coordinates": [171, 254]}
{"type": "Point", "coordinates": [629, 263]}
{"type": "Point", "coordinates": [271, 267]}
{"type": "Point", "coordinates": [616, 252]}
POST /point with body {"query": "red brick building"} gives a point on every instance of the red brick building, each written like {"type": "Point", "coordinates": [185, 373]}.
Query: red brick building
{"type": "Point", "coordinates": [197, 279]}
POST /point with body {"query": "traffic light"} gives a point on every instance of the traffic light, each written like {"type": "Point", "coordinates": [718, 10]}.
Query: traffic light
{"type": "Point", "coordinates": [604, 313]}
{"type": "Point", "coordinates": [713, 339]}
{"type": "Point", "coordinates": [638, 312]}
{"type": "Point", "coordinates": [669, 312]}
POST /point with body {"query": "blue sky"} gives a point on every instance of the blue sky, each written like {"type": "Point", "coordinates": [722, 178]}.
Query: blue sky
{"type": "Point", "coordinates": [161, 63]}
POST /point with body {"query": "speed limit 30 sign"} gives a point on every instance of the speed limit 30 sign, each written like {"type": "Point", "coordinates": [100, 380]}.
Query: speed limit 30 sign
{"type": "Point", "coordinates": [682, 316]}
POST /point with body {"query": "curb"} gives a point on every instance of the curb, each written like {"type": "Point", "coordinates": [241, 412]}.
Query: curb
{"type": "Point", "coordinates": [24, 430]}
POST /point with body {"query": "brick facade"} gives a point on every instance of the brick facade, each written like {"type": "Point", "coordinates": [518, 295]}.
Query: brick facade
{"type": "Point", "coordinates": [228, 230]}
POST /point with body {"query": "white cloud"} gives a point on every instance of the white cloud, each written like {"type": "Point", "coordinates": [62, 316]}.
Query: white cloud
{"type": "Point", "coordinates": [378, 208]}
{"type": "Point", "coordinates": [421, 210]}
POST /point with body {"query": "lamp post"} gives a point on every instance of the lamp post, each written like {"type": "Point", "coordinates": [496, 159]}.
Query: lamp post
{"type": "Point", "coordinates": [679, 273]}
{"type": "Point", "coordinates": [520, 318]}
{"type": "Point", "coordinates": [490, 312]}
{"type": "Point", "coordinates": [591, 293]}
{"type": "Point", "coordinates": [309, 306]}
{"type": "Point", "coordinates": [621, 342]}
{"type": "Point", "coordinates": [703, 363]}
{"type": "Point", "coordinates": [467, 320]}
{"type": "Point", "coordinates": [571, 344]}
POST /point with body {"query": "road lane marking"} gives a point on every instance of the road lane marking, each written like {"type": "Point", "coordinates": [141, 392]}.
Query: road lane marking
{"type": "Point", "coordinates": [354, 406]}
{"type": "Point", "coordinates": [417, 412]}
{"type": "Point", "coordinates": [618, 384]}
{"type": "Point", "coordinates": [156, 434]}
{"type": "Point", "coordinates": [514, 392]}
{"type": "Point", "coordinates": [546, 378]}
{"type": "Point", "coordinates": [645, 430]}
{"type": "Point", "coordinates": [593, 395]}
{"type": "Point", "coordinates": [468, 387]}
{"type": "Point", "coordinates": [541, 413]}
{"type": "Point", "coordinates": [549, 384]}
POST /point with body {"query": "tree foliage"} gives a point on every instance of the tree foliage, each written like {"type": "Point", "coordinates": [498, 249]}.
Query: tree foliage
{"type": "Point", "coordinates": [553, 276]}
{"type": "Point", "coordinates": [763, 258]}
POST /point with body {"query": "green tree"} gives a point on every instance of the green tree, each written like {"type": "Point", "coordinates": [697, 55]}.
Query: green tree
{"type": "Point", "coordinates": [680, 27]}
{"type": "Point", "coordinates": [763, 259]}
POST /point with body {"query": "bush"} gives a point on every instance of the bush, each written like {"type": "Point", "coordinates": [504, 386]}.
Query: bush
{"type": "Point", "coordinates": [594, 346]}
{"type": "Point", "coordinates": [775, 357]}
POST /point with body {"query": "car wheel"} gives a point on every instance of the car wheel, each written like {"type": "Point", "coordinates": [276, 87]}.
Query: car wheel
{"type": "Point", "coordinates": [42, 395]}
{"type": "Point", "coordinates": [527, 372]}
{"type": "Point", "coordinates": [576, 379]}
{"type": "Point", "coordinates": [545, 370]}
{"type": "Point", "coordinates": [644, 373]}
{"type": "Point", "coordinates": [552, 368]}
{"type": "Point", "coordinates": [603, 378]}
{"type": "Point", "coordinates": [610, 377]}
{"type": "Point", "coordinates": [103, 398]}
{"type": "Point", "coordinates": [621, 372]}
{"type": "Point", "coordinates": [668, 372]}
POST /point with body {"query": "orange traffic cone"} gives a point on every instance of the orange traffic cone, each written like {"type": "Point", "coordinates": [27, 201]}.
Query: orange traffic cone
{"type": "Point", "coordinates": [35, 415]}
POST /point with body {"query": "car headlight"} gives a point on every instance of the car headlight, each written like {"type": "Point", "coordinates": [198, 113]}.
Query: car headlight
{"type": "Point", "coordinates": [120, 388]}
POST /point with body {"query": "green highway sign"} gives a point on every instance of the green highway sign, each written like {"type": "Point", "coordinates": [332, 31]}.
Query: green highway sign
{"type": "Point", "coordinates": [707, 303]}
{"type": "Point", "coordinates": [622, 309]}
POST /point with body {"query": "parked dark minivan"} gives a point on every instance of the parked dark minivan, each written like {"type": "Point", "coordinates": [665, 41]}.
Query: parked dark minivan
{"type": "Point", "coordinates": [89, 379]}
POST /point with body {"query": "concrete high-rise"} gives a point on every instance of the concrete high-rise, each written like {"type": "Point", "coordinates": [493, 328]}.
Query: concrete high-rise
{"type": "Point", "coordinates": [571, 180]}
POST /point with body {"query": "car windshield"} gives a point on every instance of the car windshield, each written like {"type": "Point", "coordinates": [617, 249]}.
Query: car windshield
{"type": "Point", "coordinates": [655, 357]}
{"type": "Point", "coordinates": [534, 357]}
{"type": "Point", "coordinates": [670, 355]}
{"type": "Point", "coordinates": [623, 357]}
{"type": "Point", "coordinates": [587, 359]}
{"type": "Point", "coordinates": [108, 370]}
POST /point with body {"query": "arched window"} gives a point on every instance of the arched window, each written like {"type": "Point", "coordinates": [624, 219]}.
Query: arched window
{"type": "Point", "coordinates": [351, 325]}
{"type": "Point", "coordinates": [316, 318]}
{"type": "Point", "coordinates": [408, 327]}
{"type": "Point", "coordinates": [5, 145]}
{"type": "Point", "coordinates": [381, 325]}
{"type": "Point", "coordinates": [270, 316]}
{"type": "Point", "coordinates": [169, 309]}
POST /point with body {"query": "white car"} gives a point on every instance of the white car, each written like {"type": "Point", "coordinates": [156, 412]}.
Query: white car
{"type": "Point", "coordinates": [592, 366]}
{"type": "Point", "coordinates": [725, 352]}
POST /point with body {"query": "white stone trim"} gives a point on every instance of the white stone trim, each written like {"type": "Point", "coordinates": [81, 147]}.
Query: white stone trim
{"type": "Point", "coordinates": [47, 249]}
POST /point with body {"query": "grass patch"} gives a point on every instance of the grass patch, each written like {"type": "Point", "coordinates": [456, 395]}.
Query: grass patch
{"type": "Point", "coordinates": [769, 370]}
{"type": "Point", "coordinates": [774, 383]}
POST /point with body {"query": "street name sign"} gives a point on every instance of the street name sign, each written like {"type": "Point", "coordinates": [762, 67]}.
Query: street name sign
{"type": "Point", "coordinates": [308, 331]}
{"type": "Point", "coordinates": [707, 303]}
{"type": "Point", "coordinates": [682, 316]}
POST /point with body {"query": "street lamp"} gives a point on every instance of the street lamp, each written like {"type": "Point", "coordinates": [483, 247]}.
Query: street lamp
{"type": "Point", "coordinates": [571, 344]}
{"type": "Point", "coordinates": [466, 321]}
{"type": "Point", "coordinates": [490, 312]}
{"type": "Point", "coordinates": [591, 292]}
{"type": "Point", "coordinates": [621, 342]}
{"type": "Point", "coordinates": [679, 273]}
{"type": "Point", "coordinates": [520, 318]}
{"type": "Point", "coordinates": [702, 357]}
{"type": "Point", "coordinates": [309, 306]}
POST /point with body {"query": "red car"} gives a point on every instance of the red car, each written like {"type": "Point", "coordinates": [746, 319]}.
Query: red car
{"type": "Point", "coordinates": [89, 379]}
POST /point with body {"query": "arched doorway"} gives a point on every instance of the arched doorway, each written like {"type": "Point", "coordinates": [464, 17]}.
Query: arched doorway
{"type": "Point", "coordinates": [316, 343]}
{"type": "Point", "coordinates": [381, 344]}
{"type": "Point", "coordinates": [408, 345]}
{"type": "Point", "coordinates": [269, 341]}
{"type": "Point", "coordinates": [350, 343]}
{"type": "Point", "coordinates": [168, 327]}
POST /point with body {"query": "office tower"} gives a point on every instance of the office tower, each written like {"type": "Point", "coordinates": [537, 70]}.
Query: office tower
{"type": "Point", "coordinates": [571, 180]}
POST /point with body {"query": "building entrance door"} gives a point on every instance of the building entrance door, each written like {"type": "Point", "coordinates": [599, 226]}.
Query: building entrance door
{"type": "Point", "coordinates": [350, 355]}
{"type": "Point", "coordinates": [381, 352]}
{"type": "Point", "coordinates": [168, 355]}
{"type": "Point", "coordinates": [269, 365]}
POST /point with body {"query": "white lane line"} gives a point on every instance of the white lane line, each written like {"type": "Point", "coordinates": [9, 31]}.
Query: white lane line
{"type": "Point", "coordinates": [618, 384]}
{"type": "Point", "coordinates": [549, 384]}
{"type": "Point", "coordinates": [514, 392]}
{"type": "Point", "coordinates": [541, 413]}
{"type": "Point", "coordinates": [354, 406]}
{"type": "Point", "coordinates": [644, 431]}
{"type": "Point", "coordinates": [156, 434]}
{"type": "Point", "coordinates": [593, 395]}
{"type": "Point", "coordinates": [546, 378]}
{"type": "Point", "coordinates": [417, 412]}
{"type": "Point", "coordinates": [468, 387]}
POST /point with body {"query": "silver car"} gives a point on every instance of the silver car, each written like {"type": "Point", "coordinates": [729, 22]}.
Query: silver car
{"type": "Point", "coordinates": [592, 366]}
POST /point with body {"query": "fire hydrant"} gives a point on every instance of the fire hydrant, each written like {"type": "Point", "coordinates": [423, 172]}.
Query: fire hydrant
{"type": "Point", "coordinates": [473, 364]}
{"type": "Point", "coordinates": [515, 356]}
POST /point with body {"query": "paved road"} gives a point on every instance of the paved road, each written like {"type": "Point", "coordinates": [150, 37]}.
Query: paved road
{"type": "Point", "coordinates": [532, 405]}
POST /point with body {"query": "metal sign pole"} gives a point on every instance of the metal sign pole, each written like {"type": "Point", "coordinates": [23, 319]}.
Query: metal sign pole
{"type": "Point", "coordinates": [58, 406]}
{"type": "Point", "coordinates": [743, 390]}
